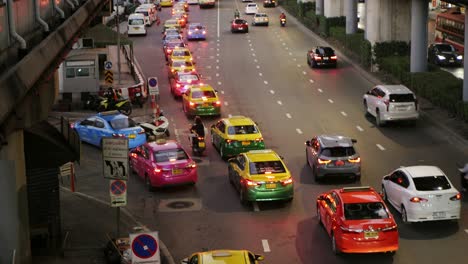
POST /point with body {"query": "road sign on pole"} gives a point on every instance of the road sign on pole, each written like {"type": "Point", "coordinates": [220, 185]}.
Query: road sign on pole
{"type": "Point", "coordinates": [153, 86]}
{"type": "Point", "coordinates": [107, 65]}
{"type": "Point", "coordinates": [109, 77]}
{"type": "Point", "coordinates": [145, 248]}
{"type": "Point", "coordinates": [115, 158]}
{"type": "Point", "coordinates": [118, 193]}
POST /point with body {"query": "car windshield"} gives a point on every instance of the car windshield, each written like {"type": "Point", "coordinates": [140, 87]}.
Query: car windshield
{"type": "Point", "coordinates": [121, 123]}
{"type": "Point", "coordinates": [338, 152]}
{"type": "Point", "coordinates": [181, 53]}
{"type": "Point", "coordinates": [401, 98]}
{"type": "Point", "coordinates": [200, 94]}
{"type": "Point", "coordinates": [188, 77]}
{"type": "Point", "coordinates": [431, 183]}
{"type": "Point", "coordinates": [445, 48]}
{"type": "Point", "coordinates": [242, 130]}
{"type": "Point", "coordinates": [136, 22]}
{"type": "Point", "coordinates": [266, 167]}
{"type": "Point", "coordinates": [182, 64]}
{"type": "Point", "coordinates": [170, 155]}
{"type": "Point", "coordinates": [358, 211]}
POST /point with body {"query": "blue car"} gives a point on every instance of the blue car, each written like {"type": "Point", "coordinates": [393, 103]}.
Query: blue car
{"type": "Point", "coordinates": [196, 31]}
{"type": "Point", "coordinates": [110, 124]}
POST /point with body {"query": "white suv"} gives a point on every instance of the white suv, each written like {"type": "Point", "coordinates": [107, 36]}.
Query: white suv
{"type": "Point", "coordinates": [251, 8]}
{"type": "Point", "coordinates": [391, 103]}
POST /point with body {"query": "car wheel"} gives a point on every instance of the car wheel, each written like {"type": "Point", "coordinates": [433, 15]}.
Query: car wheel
{"type": "Point", "coordinates": [315, 174]}
{"type": "Point", "coordinates": [404, 214]}
{"type": "Point", "coordinates": [334, 246]}
{"type": "Point", "coordinates": [357, 178]}
{"type": "Point", "coordinates": [378, 119]}
{"type": "Point", "coordinates": [221, 152]}
{"type": "Point", "coordinates": [314, 64]}
{"type": "Point", "coordinates": [242, 196]}
{"type": "Point", "coordinates": [319, 218]}
{"type": "Point", "coordinates": [247, 31]}
{"type": "Point", "coordinates": [212, 140]}
{"type": "Point", "coordinates": [366, 111]}
{"type": "Point", "coordinates": [231, 181]}
{"type": "Point", "coordinates": [384, 194]}
{"type": "Point", "coordinates": [168, 134]}
{"type": "Point", "coordinates": [148, 184]}
{"type": "Point", "coordinates": [307, 158]}
{"type": "Point", "coordinates": [267, 24]}
{"type": "Point", "coordinates": [308, 61]}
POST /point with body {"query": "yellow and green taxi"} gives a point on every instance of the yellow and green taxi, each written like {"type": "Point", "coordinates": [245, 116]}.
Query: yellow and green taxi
{"type": "Point", "coordinates": [180, 66]}
{"type": "Point", "coordinates": [235, 135]}
{"type": "Point", "coordinates": [260, 175]}
{"type": "Point", "coordinates": [224, 256]}
{"type": "Point", "coordinates": [202, 100]}
{"type": "Point", "coordinates": [171, 23]}
{"type": "Point", "coordinates": [166, 3]}
{"type": "Point", "coordinates": [180, 53]}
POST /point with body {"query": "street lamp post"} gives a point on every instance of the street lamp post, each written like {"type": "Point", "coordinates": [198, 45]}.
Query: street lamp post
{"type": "Point", "coordinates": [118, 41]}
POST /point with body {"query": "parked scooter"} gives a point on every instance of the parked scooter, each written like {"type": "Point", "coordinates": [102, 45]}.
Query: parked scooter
{"type": "Point", "coordinates": [92, 102]}
{"type": "Point", "coordinates": [158, 128]}
{"type": "Point", "coordinates": [122, 105]}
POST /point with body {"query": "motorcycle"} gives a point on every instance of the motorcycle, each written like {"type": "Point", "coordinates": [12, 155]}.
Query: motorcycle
{"type": "Point", "coordinates": [158, 128]}
{"type": "Point", "coordinates": [198, 144]}
{"type": "Point", "coordinates": [122, 105]}
{"type": "Point", "coordinates": [92, 102]}
{"type": "Point", "coordinates": [283, 22]}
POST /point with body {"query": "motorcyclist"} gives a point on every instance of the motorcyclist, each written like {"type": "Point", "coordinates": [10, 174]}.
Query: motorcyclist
{"type": "Point", "coordinates": [112, 95]}
{"type": "Point", "coordinates": [282, 16]}
{"type": "Point", "coordinates": [198, 129]}
{"type": "Point", "coordinates": [236, 13]}
{"type": "Point", "coordinates": [464, 177]}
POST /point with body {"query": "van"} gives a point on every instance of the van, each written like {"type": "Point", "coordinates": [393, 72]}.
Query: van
{"type": "Point", "coordinates": [136, 24]}
{"type": "Point", "coordinates": [148, 12]}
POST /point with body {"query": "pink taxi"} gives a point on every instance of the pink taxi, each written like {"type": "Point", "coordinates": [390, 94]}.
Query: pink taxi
{"type": "Point", "coordinates": [163, 163]}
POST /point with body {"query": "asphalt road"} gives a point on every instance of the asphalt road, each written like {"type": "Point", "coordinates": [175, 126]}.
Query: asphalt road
{"type": "Point", "coordinates": [264, 75]}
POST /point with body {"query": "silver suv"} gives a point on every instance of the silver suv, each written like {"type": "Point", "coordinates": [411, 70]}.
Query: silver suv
{"type": "Point", "coordinates": [333, 155]}
{"type": "Point", "coordinates": [391, 103]}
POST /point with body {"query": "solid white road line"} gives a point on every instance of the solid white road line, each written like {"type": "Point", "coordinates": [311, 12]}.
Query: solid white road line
{"type": "Point", "coordinates": [266, 247]}
{"type": "Point", "coordinates": [288, 115]}
{"type": "Point", "coordinates": [261, 74]}
{"type": "Point", "coordinates": [272, 92]}
{"type": "Point", "coordinates": [330, 100]}
{"type": "Point", "coordinates": [344, 113]}
{"type": "Point", "coordinates": [380, 147]}
{"type": "Point", "coordinates": [311, 81]}
{"type": "Point", "coordinates": [226, 103]}
{"type": "Point", "coordinates": [265, 82]}
{"type": "Point", "coordinates": [279, 102]}
{"type": "Point", "coordinates": [218, 23]}
{"type": "Point", "coordinates": [320, 90]}
{"type": "Point", "coordinates": [359, 128]}
{"type": "Point", "coordinates": [255, 207]}
{"type": "Point", "coordinates": [299, 131]}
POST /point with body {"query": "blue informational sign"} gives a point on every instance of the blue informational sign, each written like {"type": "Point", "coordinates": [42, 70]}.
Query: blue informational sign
{"type": "Point", "coordinates": [144, 246]}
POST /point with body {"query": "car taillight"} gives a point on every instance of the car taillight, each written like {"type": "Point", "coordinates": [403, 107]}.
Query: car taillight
{"type": "Point", "coordinates": [456, 197]}
{"type": "Point", "coordinates": [230, 141]}
{"type": "Point", "coordinates": [350, 230]}
{"type": "Point", "coordinates": [134, 155]}
{"type": "Point", "coordinates": [356, 160]}
{"type": "Point", "coordinates": [201, 138]}
{"type": "Point", "coordinates": [317, 57]}
{"type": "Point", "coordinates": [259, 139]}
{"type": "Point", "coordinates": [250, 183]}
{"type": "Point", "coordinates": [192, 104]}
{"type": "Point", "coordinates": [218, 103]}
{"type": "Point", "coordinates": [390, 228]}
{"type": "Point", "coordinates": [323, 161]}
{"type": "Point", "coordinates": [172, 70]}
{"type": "Point", "coordinates": [169, 50]}
{"type": "Point", "coordinates": [287, 181]}
{"type": "Point", "coordinates": [191, 59]}
{"type": "Point", "coordinates": [387, 103]}
{"type": "Point", "coordinates": [72, 125]}
{"type": "Point", "coordinates": [204, 32]}
{"type": "Point", "coordinates": [118, 135]}
{"type": "Point", "coordinates": [418, 200]}
{"type": "Point", "coordinates": [333, 57]}
{"type": "Point", "coordinates": [190, 33]}
{"type": "Point", "coordinates": [157, 170]}
{"type": "Point", "coordinates": [178, 85]}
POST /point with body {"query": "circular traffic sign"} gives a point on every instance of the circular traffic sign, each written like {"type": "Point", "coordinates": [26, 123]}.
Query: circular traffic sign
{"type": "Point", "coordinates": [118, 187]}
{"type": "Point", "coordinates": [144, 246]}
{"type": "Point", "coordinates": [153, 82]}
{"type": "Point", "coordinates": [108, 65]}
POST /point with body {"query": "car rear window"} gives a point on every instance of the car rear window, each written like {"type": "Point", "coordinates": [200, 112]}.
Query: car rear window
{"type": "Point", "coordinates": [327, 51]}
{"type": "Point", "coordinates": [181, 53]}
{"type": "Point", "coordinates": [122, 123]}
{"type": "Point", "coordinates": [338, 152]}
{"type": "Point", "coordinates": [401, 98]}
{"type": "Point", "coordinates": [136, 22]}
{"type": "Point", "coordinates": [188, 77]}
{"type": "Point", "coordinates": [239, 21]}
{"type": "Point", "coordinates": [357, 211]}
{"type": "Point", "coordinates": [200, 94]}
{"type": "Point", "coordinates": [170, 155]}
{"type": "Point", "coordinates": [431, 183]}
{"type": "Point", "coordinates": [242, 130]}
{"type": "Point", "coordinates": [266, 167]}
{"type": "Point", "coordinates": [182, 63]}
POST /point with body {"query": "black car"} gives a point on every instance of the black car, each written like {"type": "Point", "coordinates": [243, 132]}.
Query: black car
{"type": "Point", "coordinates": [321, 56]}
{"type": "Point", "coordinates": [269, 3]}
{"type": "Point", "coordinates": [444, 54]}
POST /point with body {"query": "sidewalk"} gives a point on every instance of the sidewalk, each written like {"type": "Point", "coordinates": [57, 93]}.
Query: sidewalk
{"type": "Point", "coordinates": [86, 225]}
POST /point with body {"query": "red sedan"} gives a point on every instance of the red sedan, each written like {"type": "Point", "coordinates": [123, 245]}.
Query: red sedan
{"type": "Point", "coordinates": [357, 220]}
{"type": "Point", "coordinates": [181, 80]}
{"type": "Point", "coordinates": [163, 163]}
{"type": "Point", "coordinates": [239, 25]}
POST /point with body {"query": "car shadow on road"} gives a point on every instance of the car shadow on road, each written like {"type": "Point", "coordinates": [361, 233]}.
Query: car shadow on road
{"type": "Point", "coordinates": [419, 231]}
{"type": "Point", "coordinates": [313, 241]}
{"type": "Point", "coordinates": [306, 177]}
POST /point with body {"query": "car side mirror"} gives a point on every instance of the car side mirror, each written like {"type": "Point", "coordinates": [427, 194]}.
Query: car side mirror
{"type": "Point", "coordinates": [354, 141]}
{"type": "Point", "coordinates": [321, 197]}
{"type": "Point", "coordinates": [259, 257]}
{"type": "Point", "coordinates": [368, 92]}
{"type": "Point", "coordinates": [307, 143]}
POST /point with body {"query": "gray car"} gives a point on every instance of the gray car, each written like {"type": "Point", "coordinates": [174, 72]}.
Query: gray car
{"type": "Point", "coordinates": [333, 156]}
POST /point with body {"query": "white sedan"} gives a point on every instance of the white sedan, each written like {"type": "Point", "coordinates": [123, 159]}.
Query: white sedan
{"type": "Point", "coordinates": [251, 8]}
{"type": "Point", "coordinates": [421, 193]}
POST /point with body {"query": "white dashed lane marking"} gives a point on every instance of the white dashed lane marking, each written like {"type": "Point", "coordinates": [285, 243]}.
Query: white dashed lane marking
{"type": "Point", "coordinates": [222, 91]}
{"type": "Point", "coordinates": [261, 74]}
{"type": "Point", "coordinates": [272, 92]}
{"type": "Point", "coordinates": [320, 90]}
{"type": "Point", "coordinates": [286, 48]}
{"type": "Point", "coordinates": [380, 147]}
{"type": "Point", "coordinates": [251, 49]}
{"type": "Point", "coordinates": [217, 74]}
{"type": "Point", "coordinates": [226, 103]}
{"type": "Point", "coordinates": [299, 131]}
{"type": "Point", "coordinates": [266, 247]}
{"type": "Point", "coordinates": [219, 83]}
{"type": "Point", "coordinates": [255, 207]}
{"type": "Point", "coordinates": [311, 81]}
{"type": "Point", "coordinates": [359, 128]}
{"type": "Point", "coordinates": [217, 54]}
{"type": "Point", "coordinates": [288, 115]}
{"type": "Point", "coordinates": [290, 53]}
{"type": "Point", "coordinates": [255, 60]}
{"type": "Point", "coordinates": [330, 100]}
{"type": "Point", "coordinates": [344, 113]}
{"type": "Point", "coordinates": [208, 67]}
{"type": "Point", "coordinates": [298, 65]}
{"type": "Point", "coordinates": [217, 61]}
{"type": "Point", "coordinates": [304, 72]}
{"type": "Point", "coordinates": [217, 67]}
{"type": "Point", "coordinates": [250, 44]}
{"type": "Point", "coordinates": [284, 44]}
{"type": "Point", "coordinates": [265, 82]}
{"type": "Point", "coordinates": [294, 59]}
{"type": "Point", "coordinates": [253, 54]}
{"type": "Point", "coordinates": [279, 102]}
{"type": "Point", "coordinates": [258, 66]}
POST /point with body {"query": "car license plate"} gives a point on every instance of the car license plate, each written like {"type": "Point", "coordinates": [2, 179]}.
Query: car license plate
{"type": "Point", "coordinates": [245, 143]}
{"type": "Point", "coordinates": [325, 58]}
{"type": "Point", "coordinates": [452, 60]}
{"type": "Point", "coordinates": [177, 171]}
{"type": "Point", "coordinates": [136, 28]}
{"type": "Point", "coordinates": [339, 163]}
{"type": "Point", "coordinates": [438, 215]}
{"type": "Point", "coordinates": [201, 144]}
{"type": "Point", "coordinates": [241, 28]}
{"type": "Point", "coordinates": [270, 185]}
{"type": "Point", "coordinates": [138, 94]}
{"type": "Point", "coordinates": [206, 104]}
{"type": "Point", "coordinates": [371, 234]}
{"type": "Point", "coordinates": [132, 136]}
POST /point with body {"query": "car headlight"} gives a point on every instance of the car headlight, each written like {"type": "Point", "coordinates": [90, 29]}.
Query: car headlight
{"type": "Point", "coordinates": [441, 57]}
{"type": "Point", "coordinates": [460, 57]}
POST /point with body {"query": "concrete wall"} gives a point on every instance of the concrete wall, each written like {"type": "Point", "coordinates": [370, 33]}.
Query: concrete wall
{"type": "Point", "coordinates": [333, 8]}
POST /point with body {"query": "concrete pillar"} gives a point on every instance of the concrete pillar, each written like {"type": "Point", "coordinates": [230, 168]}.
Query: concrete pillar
{"type": "Point", "coordinates": [419, 14]}
{"type": "Point", "coordinates": [319, 7]}
{"type": "Point", "coordinates": [14, 227]}
{"type": "Point", "coordinates": [465, 62]}
{"type": "Point", "coordinates": [333, 8]}
{"type": "Point", "coordinates": [351, 16]}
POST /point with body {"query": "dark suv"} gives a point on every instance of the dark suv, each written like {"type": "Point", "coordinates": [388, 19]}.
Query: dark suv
{"type": "Point", "coordinates": [444, 54]}
{"type": "Point", "coordinates": [321, 56]}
